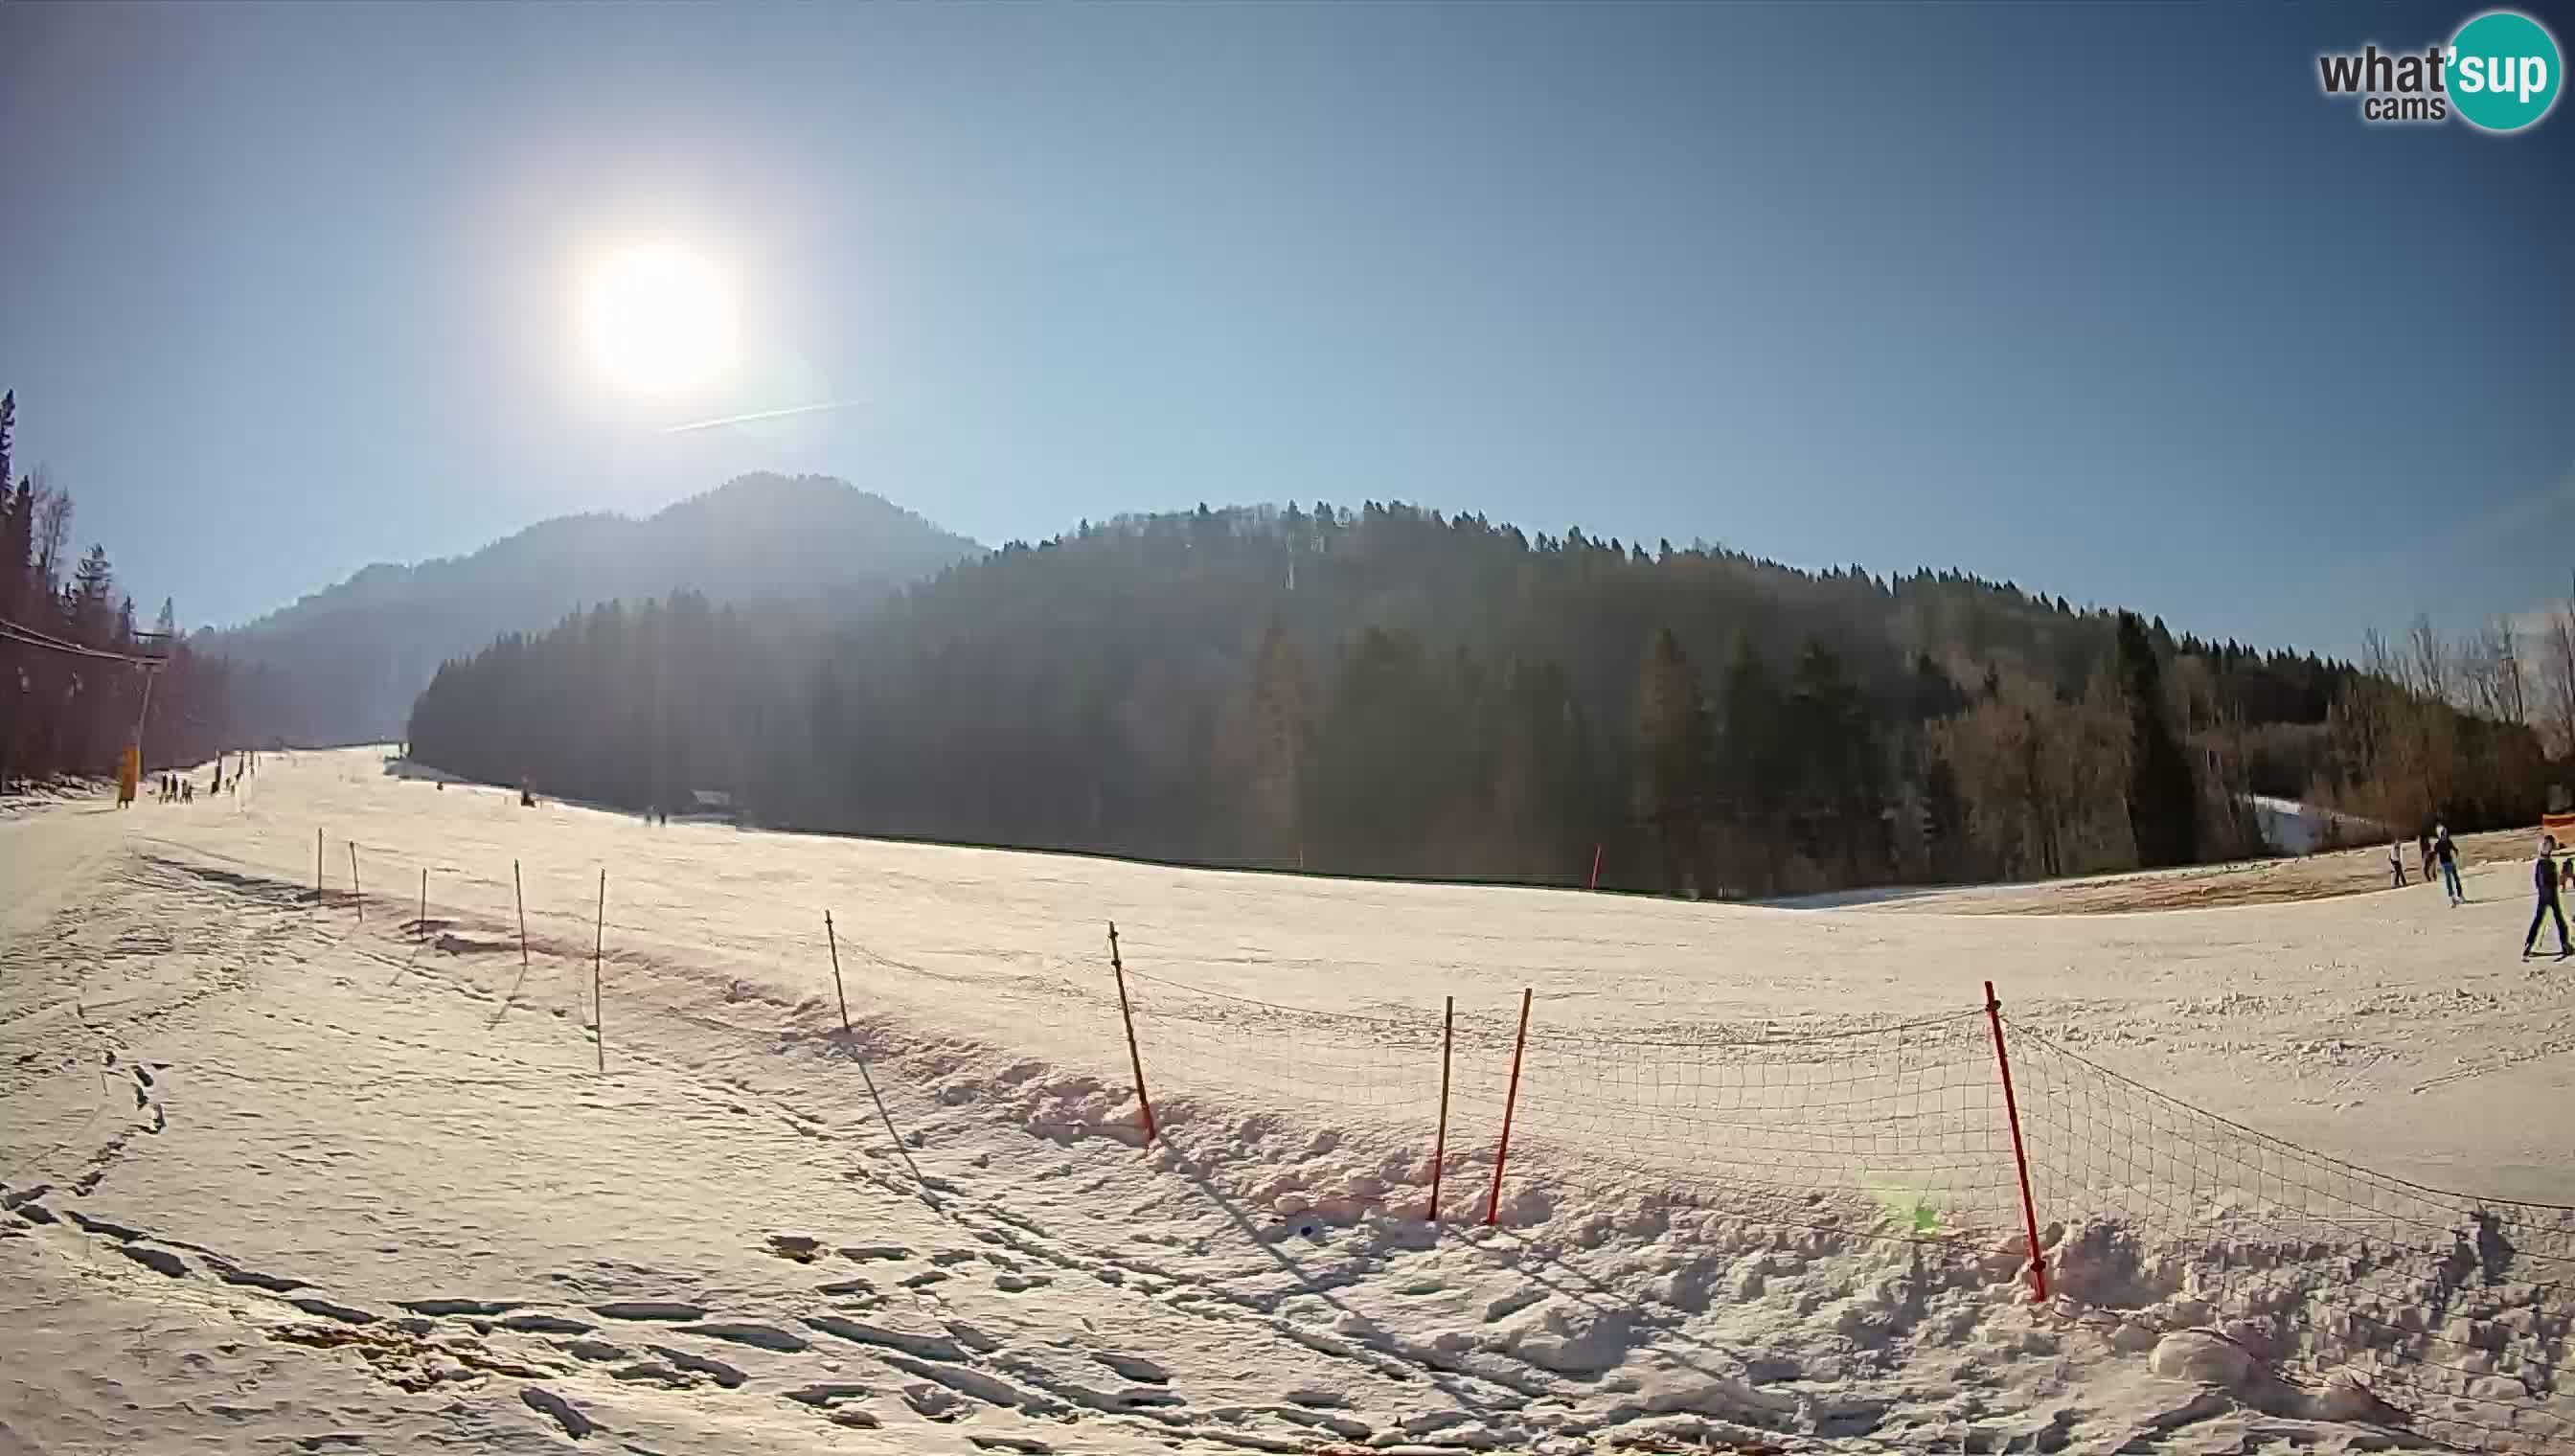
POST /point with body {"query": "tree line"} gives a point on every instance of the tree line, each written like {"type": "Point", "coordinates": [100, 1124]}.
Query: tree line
{"type": "Point", "coordinates": [1396, 691]}
{"type": "Point", "coordinates": [73, 666]}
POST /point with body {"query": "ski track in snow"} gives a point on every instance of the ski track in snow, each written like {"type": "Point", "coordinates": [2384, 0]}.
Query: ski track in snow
{"type": "Point", "coordinates": [278, 1178]}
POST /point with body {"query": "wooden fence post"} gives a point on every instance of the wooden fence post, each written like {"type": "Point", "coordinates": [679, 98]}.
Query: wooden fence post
{"type": "Point", "coordinates": [836, 988]}
{"type": "Point", "coordinates": [598, 1008]}
{"type": "Point", "coordinates": [1511, 1103]}
{"type": "Point", "coordinates": [850, 1039]}
{"type": "Point", "coordinates": [1135, 1058]}
{"type": "Point", "coordinates": [1440, 1144]}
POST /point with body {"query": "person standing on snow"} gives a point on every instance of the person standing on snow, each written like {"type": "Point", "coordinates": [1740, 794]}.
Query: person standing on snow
{"type": "Point", "coordinates": [2396, 863]}
{"type": "Point", "coordinates": [2449, 857]}
{"type": "Point", "coordinates": [2543, 878]}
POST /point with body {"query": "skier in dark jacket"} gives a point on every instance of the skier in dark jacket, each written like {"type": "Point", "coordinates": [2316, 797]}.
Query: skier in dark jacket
{"type": "Point", "coordinates": [2543, 878]}
{"type": "Point", "coordinates": [2448, 854]}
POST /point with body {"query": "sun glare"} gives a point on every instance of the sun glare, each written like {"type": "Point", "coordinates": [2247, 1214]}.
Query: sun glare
{"type": "Point", "coordinates": [656, 320]}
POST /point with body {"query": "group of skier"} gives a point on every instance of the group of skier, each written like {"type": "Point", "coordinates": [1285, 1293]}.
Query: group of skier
{"type": "Point", "coordinates": [180, 788]}
{"type": "Point", "coordinates": [2435, 848]}
{"type": "Point", "coordinates": [2549, 878]}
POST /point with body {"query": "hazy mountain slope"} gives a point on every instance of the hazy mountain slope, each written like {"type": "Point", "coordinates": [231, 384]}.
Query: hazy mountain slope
{"type": "Point", "coordinates": [343, 665]}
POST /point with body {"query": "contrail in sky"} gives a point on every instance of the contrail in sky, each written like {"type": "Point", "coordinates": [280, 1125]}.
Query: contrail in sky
{"type": "Point", "coordinates": [764, 414]}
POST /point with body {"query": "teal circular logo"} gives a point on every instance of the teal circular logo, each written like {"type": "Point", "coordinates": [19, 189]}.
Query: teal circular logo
{"type": "Point", "coordinates": [2505, 71]}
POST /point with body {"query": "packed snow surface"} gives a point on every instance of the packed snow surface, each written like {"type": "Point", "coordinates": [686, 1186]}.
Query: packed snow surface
{"type": "Point", "coordinates": [295, 1172]}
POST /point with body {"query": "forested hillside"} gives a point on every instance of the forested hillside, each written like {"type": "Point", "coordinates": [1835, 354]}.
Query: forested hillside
{"type": "Point", "coordinates": [1396, 693]}
{"type": "Point", "coordinates": [72, 661]}
{"type": "Point", "coordinates": [343, 665]}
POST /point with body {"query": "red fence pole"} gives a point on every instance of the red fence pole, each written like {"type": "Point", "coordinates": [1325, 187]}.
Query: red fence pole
{"type": "Point", "coordinates": [1440, 1145]}
{"type": "Point", "coordinates": [519, 894]}
{"type": "Point", "coordinates": [356, 897]}
{"type": "Point", "coordinates": [2020, 1156]}
{"type": "Point", "coordinates": [1135, 1058]}
{"type": "Point", "coordinates": [1510, 1102]}
{"type": "Point", "coordinates": [1595, 867]}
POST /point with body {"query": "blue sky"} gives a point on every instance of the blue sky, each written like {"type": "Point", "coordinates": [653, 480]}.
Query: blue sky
{"type": "Point", "coordinates": [2106, 299]}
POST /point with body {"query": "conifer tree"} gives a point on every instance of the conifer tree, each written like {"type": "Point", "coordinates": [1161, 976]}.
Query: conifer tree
{"type": "Point", "coordinates": [93, 598]}
{"type": "Point", "coordinates": [1752, 770]}
{"type": "Point", "coordinates": [1673, 759]}
{"type": "Point", "coordinates": [2164, 802]}
{"type": "Point", "coordinates": [1282, 716]}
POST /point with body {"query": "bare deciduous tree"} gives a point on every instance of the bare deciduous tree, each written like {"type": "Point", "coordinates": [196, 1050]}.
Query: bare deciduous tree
{"type": "Point", "coordinates": [2043, 778]}
{"type": "Point", "coordinates": [53, 535]}
{"type": "Point", "coordinates": [2441, 729]}
{"type": "Point", "coordinates": [2489, 677]}
{"type": "Point", "coordinates": [2556, 672]}
{"type": "Point", "coordinates": [2428, 663]}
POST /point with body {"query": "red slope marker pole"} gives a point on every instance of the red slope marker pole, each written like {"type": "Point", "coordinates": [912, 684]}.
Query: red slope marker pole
{"type": "Point", "coordinates": [518, 893]}
{"type": "Point", "coordinates": [356, 897]}
{"type": "Point", "coordinates": [1510, 1102]}
{"type": "Point", "coordinates": [1135, 1058]}
{"type": "Point", "coordinates": [2020, 1157]}
{"type": "Point", "coordinates": [1595, 867]}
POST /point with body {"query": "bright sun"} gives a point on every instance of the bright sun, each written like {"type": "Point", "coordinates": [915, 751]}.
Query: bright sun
{"type": "Point", "coordinates": [656, 320]}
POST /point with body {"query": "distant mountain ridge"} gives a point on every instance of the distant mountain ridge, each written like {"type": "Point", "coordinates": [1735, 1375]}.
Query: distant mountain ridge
{"type": "Point", "coordinates": [344, 664]}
